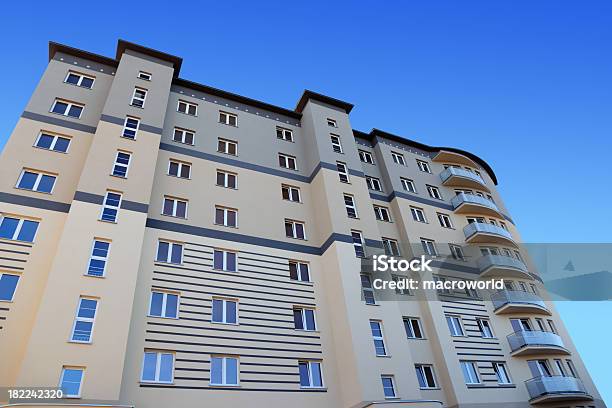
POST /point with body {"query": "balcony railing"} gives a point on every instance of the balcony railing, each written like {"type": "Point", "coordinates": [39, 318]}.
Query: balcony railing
{"type": "Point", "coordinates": [518, 300]}
{"type": "Point", "coordinates": [472, 230]}
{"type": "Point", "coordinates": [502, 264]}
{"type": "Point", "coordinates": [535, 342]}
{"type": "Point", "coordinates": [463, 198]}
{"type": "Point", "coordinates": [556, 387]}
{"type": "Point", "coordinates": [450, 174]}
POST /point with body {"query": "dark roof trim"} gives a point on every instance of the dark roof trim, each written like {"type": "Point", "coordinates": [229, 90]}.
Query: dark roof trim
{"type": "Point", "coordinates": [345, 106]}
{"type": "Point", "coordinates": [101, 59]}
{"type": "Point", "coordinates": [377, 132]}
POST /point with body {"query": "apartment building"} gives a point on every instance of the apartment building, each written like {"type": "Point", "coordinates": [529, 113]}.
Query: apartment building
{"type": "Point", "coordinates": [165, 243]}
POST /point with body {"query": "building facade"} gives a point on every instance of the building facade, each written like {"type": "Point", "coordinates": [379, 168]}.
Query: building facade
{"type": "Point", "coordinates": [165, 243]}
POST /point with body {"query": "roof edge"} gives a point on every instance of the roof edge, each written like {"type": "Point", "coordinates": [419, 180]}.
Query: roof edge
{"type": "Point", "coordinates": [123, 45]}
{"type": "Point", "coordinates": [308, 94]}
{"type": "Point", "coordinates": [55, 47]}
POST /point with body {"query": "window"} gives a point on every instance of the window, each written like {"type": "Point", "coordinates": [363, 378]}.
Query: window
{"type": "Point", "coordinates": [373, 183]}
{"type": "Point", "coordinates": [174, 207]}
{"type": "Point", "coordinates": [418, 214]}
{"type": "Point", "coordinates": [332, 123]}
{"type": "Point", "coordinates": [503, 377]}
{"type": "Point", "coordinates": [391, 247]}
{"type": "Point", "coordinates": [485, 328]}
{"type": "Point", "coordinates": [65, 108]}
{"type": "Point", "coordinates": [404, 291]}
{"type": "Point", "coordinates": [398, 158]}
{"type": "Point", "coordinates": [144, 75]}
{"type": "Point", "coordinates": [36, 181]}
{"type": "Point", "coordinates": [183, 136]}
{"type": "Point", "coordinates": [358, 243]}
{"type": "Point", "coordinates": [110, 206]}
{"type": "Point", "coordinates": [294, 229]}
{"type": "Point", "coordinates": [470, 372]}
{"type": "Point", "coordinates": [456, 252]}
{"type": "Point", "coordinates": [228, 118]}
{"type": "Point", "coordinates": [388, 386]}
{"type": "Point", "coordinates": [443, 289]}
{"type": "Point", "coordinates": [521, 325]}
{"type": "Point", "coordinates": [429, 247]}
{"type": "Point", "coordinates": [551, 325]}
{"type": "Point", "coordinates": [70, 382]}
{"type": "Point", "coordinates": [157, 367]}
{"type": "Point", "coordinates": [227, 147]}
{"type": "Point", "coordinates": [377, 337]}
{"type": "Point", "coordinates": [187, 108]}
{"type": "Point", "coordinates": [227, 179]}
{"type": "Point", "coordinates": [179, 169]}
{"type": "Point", "coordinates": [17, 229]}
{"type": "Point", "coordinates": [408, 185]}
{"type": "Point", "coordinates": [299, 271]}
{"type": "Point", "coordinates": [503, 225]}
{"type": "Point", "coordinates": [224, 311]}
{"type": "Point", "coordinates": [98, 258]}
{"type": "Point", "coordinates": [225, 260]}
{"type": "Point", "coordinates": [454, 325]}
{"type": "Point", "coordinates": [84, 321]}
{"type": "Point", "coordinates": [367, 290]}
{"type": "Point", "coordinates": [423, 166]}
{"type": "Point", "coordinates": [52, 142]}
{"type": "Point", "coordinates": [382, 213]}
{"type": "Point", "coordinates": [336, 145]}
{"type": "Point", "coordinates": [122, 164]}
{"type": "Point", "coordinates": [445, 220]}
{"type": "Point", "coordinates": [169, 252]}
{"type": "Point", "coordinates": [290, 193]}
{"type": "Point", "coordinates": [572, 368]}
{"type": "Point", "coordinates": [412, 325]}
{"type": "Point", "coordinates": [8, 284]}
{"type": "Point", "coordinates": [78, 79]}
{"type": "Point", "coordinates": [366, 157]}
{"type": "Point", "coordinates": [138, 98]}
{"type": "Point", "coordinates": [342, 172]}
{"type": "Point", "coordinates": [164, 304]}
{"type": "Point", "coordinates": [284, 134]}
{"type": "Point", "coordinates": [425, 375]}
{"type": "Point", "coordinates": [310, 374]}
{"type": "Point", "coordinates": [286, 161]}
{"type": "Point", "coordinates": [227, 217]}
{"type": "Point", "coordinates": [223, 371]}
{"type": "Point", "coordinates": [349, 204]}
{"type": "Point", "coordinates": [304, 319]}
{"type": "Point", "coordinates": [130, 127]}
{"type": "Point", "coordinates": [434, 192]}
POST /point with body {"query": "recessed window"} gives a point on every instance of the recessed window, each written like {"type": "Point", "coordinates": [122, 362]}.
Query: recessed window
{"type": "Point", "coordinates": [457, 252]}
{"type": "Point", "coordinates": [122, 164]}
{"type": "Point", "coordinates": [423, 166]}
{"type": "Point", "coordinates": [377, 337]}
{"type": "Point", "coordinates": [373, 183]}
{"type": "Point", "coordinates": [336, 145]}
{"type": "Point", "coordinates": [299, 271]}
{"type": "Point", "coordinates": [225, 260]}
{"type": "Point", "coordinates": [144, 75]}
{"type": "Point", "coordinates": [8, 284]}
{"type": "Point", "coordinates": [138, 98]}
{"type": "Point", "coordinates": [358, 243]}
{"type": "Point", "coordinates": [455, 326]}
{"type": "Point", "coordinates": [366, 157]}
{"type": "Point", "coordinates": [179, 169]}
{"type": "Point", "coordinates": [485, 328]}
{"type": "Point", "coordinates": [227, 179]}
{"type": "Point", "coordinates": [224, 311]}
{"type": "Point", "coordinates": [169, 252]}
{"type": "Point", "coordinates": [398, 158]}
{"type": "Point", "coordinates": [78, 79]}
{"type": "Point", "coordinates": [223, 371]}
{"type": "Point", "coordinates": [501, 371]}
{"type": "Point", "coordinates": [187, 108]}
{"type": "Point", "coordinates": [52, 142]}
{"type": "Point", "coordinates": [227, 147]}
{"type": "Point", "coordinates": [349, 204]}
{"type": "Point", "coordinates": [382, 213]}
{"type": "Point", "coordinates": [174, 207]}
{"type": "Point", "coordinates": [445, 220]}
{"type": "Point", "coordinates": [408, 185]}
{"type": "Point", "coordinates": [84, 321]}
{"type": "Point", "coordinates": [342, 172]}
{"type": "Point", "coordinates": [183, 136]}
{"type": "Point", "coordinates": [228, 217]}
{"type": "Point", "coordinates": [418, 214]}
{"type": "Point", "coordinates": [425, 376]}
{"type": "Point", "coordinates": [36, 181]}
{"type": "Point", "coordinates": [400, 291]}
{"type": "Point", "coordinates": [228, 118]}
{"type": "Point", "coordinates": [290, 193]}
{"type": "Point", "coordinates": [164, 304]}
{"type": "Point", "coordinates": [295, 229]}
{"type": "Point", "coordinates": [98, 258]}
{"type": "Point", "coordinates": [310, 374]}
{"type": "Point", "coordinates": [70, 381]}
{"type": "Point", "coordinates": [287, 162]}
{"type": "Point", "coordinates": [284, 134]}
{"type": "Point", "coordinates": [388, 386]}
{"type": "Point", "coordinates": [412, 325]}
{"type": "Point", "coordinates": [391, 247]}
{"type": "Point", "coordinates": [332, 123]}
{"type": "Point", "coordinates": [110, 206]}
{"type": "Point", "coordinates": [434, 192]}
{"type": "Point", "coordinates": [157, 367]}
{"type": "Point", "coordinates": [367, 290]}
{"type": "Point", "coordinates": [17, 229]}
{"type": "Point", "coordinates": [66, 108]}
{"type": "Point", "coordinates": [304, 319]}
{"type": "Point", "coordinates": [130, 127]}
{"type": "Point", "coordinates": [470, 372]}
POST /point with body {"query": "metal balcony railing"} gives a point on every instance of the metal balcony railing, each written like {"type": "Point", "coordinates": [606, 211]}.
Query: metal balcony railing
{"type": "Point", "coordinates": [463, 198]}
{"type": "Point", "coordinates": [482, 227]}
{"type": "Point", "coordinates": [505, 297]}
{"type": "Point", "coordinates": [520, 339]}
{"type": "Point", "coordinates": [500, 261]}
{"type": "Point", "coordinates": [556, 385]}
{"type": "Point", "coordinates": [459, 172]}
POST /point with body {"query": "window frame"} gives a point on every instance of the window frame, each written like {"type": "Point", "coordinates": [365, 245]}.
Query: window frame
{"type": "Point", "coordinates": [350, 206]}
{"type": "Point", "coordinates": [283, 134]}
{"type": "Point", "coordinates": [391, 380]}
{"type": "Point", "coordinates": [224, 310]}
{"type": "Point", "coordinates": [224, 260]}
{"type": "Point", "coordinates": [309, 364]}
{"type": "Point", "coordinates": [224, 359]}
{"type": "Point", "coordinates": [380, 338]}
{"type": "Point", "coordinates": [445, 219]}
{"type": "Point", "coordinates": [175, 205]}
{"type": "Point", "coordinates": [187, 105]}
{"type": "Point", "coordinates": [227, 143]}
{"type": "Point", "coordinates": [39, 177]}
{"type": "Point", "coordinates": [455, 325]}
{"type": "Point", "coordinates": [418, 214]}
{"type": "Point", "coordinates": [336, 143]}
{"type": "Point", "coordinates": [298, 270]}
{"type": "Point", "coordinates": [344, 173]}
{"type": "Point", "coordinates": [145, 76]}
{"type": "Point", "coordinates": [483, 326]}
{"type": "Point", "coordinates": [388, 244]}
{"type": "Point", "coordinates": [506, 372]}
{"type": "Point", "coordinates": [470, 372]}
{"type": "Point", "coordinates": [291, 192]}
{"type": "Point", "coordinates": [422, 369]}
{"type": "Point", "coordinates": [164, 305]}
{"type": "Point", "coordinates": [80, 81]}
{"type": "Point", "coordinates": [332, 122]}
{"type": "Point", "coordinates": [14, 290]}
{"type": "Point", "coordinates": [373, 183]}
{"type": "Point", "coordinates": [180, 165]}
{"type": "Point", "coordinates": [78, 318]}
{"type": "Point", "coordinates": [158, 359]}
{"type": "Point", "coordinates": [228, 116]}
{"type": "Point", "coordinates": [20, 222]}
{"type": "Point", "coordinates": [369, 289]}
{"type": "Point", "coordinates": [139, 101]}
{"type": "Point", "coordinates": [55, 137]}
{"type": "Point", "coordinates": [226, 212]}
{"type": "Point", "coordinates": [61, 381]}
{"type": "Point", "coordinates": [408, 322]}
{"type": "Point", "coordinates": [294, 229]}
{"type": "Point", "coordinates": [366, 157]}
{"type": "Point", "coordinates": [302, 310]}
{"type": "Point", "coordinates": [171, 245]}
{"type": "Point", "coordinates": [356, 234]}
{"type": "Point", "coordinates": [408, 182]}
{"type": "Point", "coordinates": [226, 177]}
{"type": "Point", "coordinates": [183, 132]}
{"type": "Point", "coordinates": [398, 158]}
{"type": "Point", "coordinates": [433, 191]}
{"type": "Point", "coordinates": [93, 257]}
{"type": "Point", "coordinates": [287, 158]}
{"type": "Point", "coordinates": [380, 212]}
{"type": "Point", "coordinates": [117, 164]}
{"type": "Point", "coordinates": [69, 105]}
{"type": "Point", "coordinates": [127, 128]}
{"type": "Point", "coordinates": [111, 207]}
{"type": "Point", "coordinates": [423, 166]}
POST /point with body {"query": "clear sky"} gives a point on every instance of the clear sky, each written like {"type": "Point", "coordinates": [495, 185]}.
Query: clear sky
{"type": "Point", "coordinates": [526, 85]}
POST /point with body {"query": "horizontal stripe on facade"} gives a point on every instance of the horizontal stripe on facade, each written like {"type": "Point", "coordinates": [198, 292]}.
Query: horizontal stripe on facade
{"type": "Point", "coordinates": [121, 121]}
{"type": "Point", "coordinates": [224, 329]}
{"type": "Point", "coordinates": [99, 199]}
{"type": "Point", "coordinates": [57, 120]}
{"type": "Point", "coordinates": [231, 389]}
{"type": "Point", "coordinates": [208, 336]}
{"type": "Point", "coordinates": [33, 202]}
{"type": "Point", "coordinates": [225, 346]}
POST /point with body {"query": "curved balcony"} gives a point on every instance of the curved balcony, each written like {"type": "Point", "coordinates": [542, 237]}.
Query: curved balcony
{"type": "Point", "coordinates": [458, 177]}
{"type": "Point", "coordinates": [556, 388]}
{"type": "Point", "coordinates": [502, 265]}
{"type": "Point", "coordinates": [445, 156]}
{"type": "Point", "coordinates": [472, 204]}
{"type": "Point", "coordinates": [527, 343]}
{"type": "Point", "coordinates": [517, 301]}
{"type": "Point", "coordinates": [480, 233]}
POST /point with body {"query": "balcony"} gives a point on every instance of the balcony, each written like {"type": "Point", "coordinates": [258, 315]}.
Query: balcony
{"type": "Point", "coordinates": [472, 204]}
{"type": "Point", "coordinates": [517, 301]}
{"type": "Point", "coordinates": [446, 156]}
{"type": "Point", "coordinates": [527, 343]}
{"type": "Point", "coordinates": [556, 389]}
{"type": "Point", "coordinates": [484, 233]}
{"type": "Point", "coordinates": [502, 265]}
{"type": "Point", "coordinates": [458, 177]}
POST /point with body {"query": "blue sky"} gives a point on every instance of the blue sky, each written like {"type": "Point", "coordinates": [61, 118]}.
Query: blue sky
{"type": "Point", "coordinates": [525, 85]}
